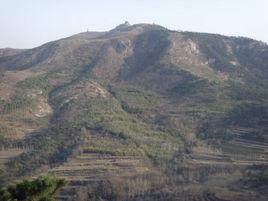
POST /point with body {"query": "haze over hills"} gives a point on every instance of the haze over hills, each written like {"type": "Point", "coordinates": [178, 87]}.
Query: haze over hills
{"type": "Point", "coordinates": [138, 113]}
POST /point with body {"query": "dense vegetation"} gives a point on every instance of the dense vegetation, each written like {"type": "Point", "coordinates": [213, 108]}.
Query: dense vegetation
{"type": "Point", "coordinates": [39, 189]}
{"type": "Point", "coordinates": [256, 175]}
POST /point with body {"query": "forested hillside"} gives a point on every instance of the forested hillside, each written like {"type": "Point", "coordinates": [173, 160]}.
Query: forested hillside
{"type": "Point", "coordinates": [138, 113]}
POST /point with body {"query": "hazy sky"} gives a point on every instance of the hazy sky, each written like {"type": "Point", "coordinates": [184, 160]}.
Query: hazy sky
{"type": "Point", "coordinates": [30, 23]}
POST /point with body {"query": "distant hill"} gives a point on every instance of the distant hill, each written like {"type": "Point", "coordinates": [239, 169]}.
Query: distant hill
{"type": "Point", "coordinates": [137, 113]}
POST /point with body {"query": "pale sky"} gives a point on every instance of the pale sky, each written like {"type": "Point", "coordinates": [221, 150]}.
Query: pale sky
{"type": "Point", "coordinates": [30, 23]}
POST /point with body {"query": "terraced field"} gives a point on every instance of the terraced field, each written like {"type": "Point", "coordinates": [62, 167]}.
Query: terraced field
{"type": "Point", "coordinates": [240, 152]}
{"type": "Point", "coordinates": [213, 173]}
{"type": "Point", "coordinates": [90, 169]}
{"type": "Point", "coordinates": [6, 155]}
{"type": "Point", "coordinates": [132, 178]}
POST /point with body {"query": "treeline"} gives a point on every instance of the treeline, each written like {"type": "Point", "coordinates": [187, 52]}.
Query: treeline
{"type": "Point", "coordinates": [256, 175]}
{"type": "Point", "coordinates": [40, 82]}
{"type": "Point", "coordinates": [22, 98]}
{"type": "Point", "coordinates": [50, 146]}
{"type": "Point", "coordinates": [17, 103]}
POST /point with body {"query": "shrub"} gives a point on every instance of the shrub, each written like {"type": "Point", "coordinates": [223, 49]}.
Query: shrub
{"type": "Point", "coordinates": [39, 189]}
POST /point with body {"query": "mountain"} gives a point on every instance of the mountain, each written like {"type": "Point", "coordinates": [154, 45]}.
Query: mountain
{"type": "Point", "coordinates": [138, 113]}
